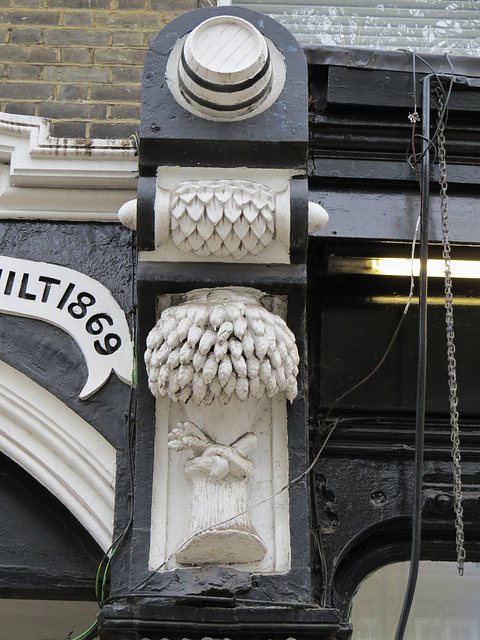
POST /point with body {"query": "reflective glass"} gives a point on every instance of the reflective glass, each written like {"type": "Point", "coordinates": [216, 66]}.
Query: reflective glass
{"type": "Point", "coordinates": [434, 26]}
{"type": "Point", "coordinates": [445, 606]}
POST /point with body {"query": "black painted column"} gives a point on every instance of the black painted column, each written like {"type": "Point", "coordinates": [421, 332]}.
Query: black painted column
{"type": "Point", "coordinates": [231, 129]}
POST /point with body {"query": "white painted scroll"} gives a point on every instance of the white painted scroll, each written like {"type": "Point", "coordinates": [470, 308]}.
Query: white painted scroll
{"type": "Point", "coordinates": [76, 303]}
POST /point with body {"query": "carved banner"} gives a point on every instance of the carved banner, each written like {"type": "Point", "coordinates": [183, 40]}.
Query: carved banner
{"type": "Point", "coordinates": [76, 303]}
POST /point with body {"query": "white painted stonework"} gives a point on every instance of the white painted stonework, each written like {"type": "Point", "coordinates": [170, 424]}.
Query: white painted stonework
{"type": "Point", "coordinates": [222, 363]}
{"type": "Point", "coordinates": [317, 216]}
{"type": "Point", "coordinates": [219, 475]}
{"type": "Point", "coordinates": [60, 450]}
{"type": "Point", "coordinates": [42, 177]}
{"type": "Point", "coordinates": [76, 303]}
{"type": "Point", "coordinates": [200, 215]}
{"type": "Point", "coordinates": [225, 70]}
{"type": "Point", "coordinates": [222, 217]}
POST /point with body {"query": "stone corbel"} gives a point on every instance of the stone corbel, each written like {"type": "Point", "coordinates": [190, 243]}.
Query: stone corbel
{"type": "Point", "coordinates": [220, 355]}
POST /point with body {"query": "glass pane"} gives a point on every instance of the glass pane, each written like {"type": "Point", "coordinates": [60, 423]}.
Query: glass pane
{"type": "Point", "coordinates": [435, 26]}
{"type": "Point", "coordinates": [44, 619]}
{"type": "Point", "coordinates": [445, 605]}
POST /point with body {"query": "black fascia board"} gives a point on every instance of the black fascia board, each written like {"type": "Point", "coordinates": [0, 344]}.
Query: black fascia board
{"type": "Point", "coordinates": [171, 135]}
{"type": "Point", "coordinates": [390, 60]}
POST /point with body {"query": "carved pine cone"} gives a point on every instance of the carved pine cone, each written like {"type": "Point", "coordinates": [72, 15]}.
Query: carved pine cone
{"type": "Point", "coordinates": [222, 217]}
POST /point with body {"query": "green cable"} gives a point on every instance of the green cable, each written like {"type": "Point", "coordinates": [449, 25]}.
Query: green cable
{"type": "Point", "coordinates": [85, 632]}
{"type": "Point", "coordinates": [97, 594]}
{"type": "Point", "coordinates": [134, 369]}
{"type": "Point", "coordinates": [106, 570]}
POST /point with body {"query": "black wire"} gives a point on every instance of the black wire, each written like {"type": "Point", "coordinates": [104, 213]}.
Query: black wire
{"type": "Point", "coordinates": [321, 430]}
{"type": "Point", "coordinates": [422, 346]}
{"type": "Point", "coordinates": [317, 533]}
{"type": "Point", "coordinates": [421, 372]}
{"type": "Point", "coordinates": [413, 160]}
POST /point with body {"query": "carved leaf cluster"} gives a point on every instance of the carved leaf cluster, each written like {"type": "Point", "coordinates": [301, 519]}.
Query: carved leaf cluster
{"type": "Point", "coordinates": [222, 217]}
{"type": "Point", "coordinates": [200, 351]}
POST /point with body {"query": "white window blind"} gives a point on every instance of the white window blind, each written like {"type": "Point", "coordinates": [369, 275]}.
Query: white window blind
{"type": "Point", "coordinates": [424, 26]}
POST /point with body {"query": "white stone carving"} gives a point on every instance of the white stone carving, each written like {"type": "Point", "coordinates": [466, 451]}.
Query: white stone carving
{"type": "Point", "coordinates": [208, 214]}
{"type": "Point", "coordinates": [127, 214]}
{"type": "Point", "coordinates": [317, 217]}
{"type": "Point", "coordinates": [222, 217]}
{"type": "Point", "coordinates": [218, 344]}
{"type": "Point", "coordinates": [221, 354]}
{"type": "Point", "coordinates": [76, 303]}
{"type": "Point", "coordinates": [225, 70]}
{"type": "Point", "coordinates": [219, 476]}
{"type": "Point", "coordinates": [225, 65]}
{"type": "Point", "coordinates": [60, 450]}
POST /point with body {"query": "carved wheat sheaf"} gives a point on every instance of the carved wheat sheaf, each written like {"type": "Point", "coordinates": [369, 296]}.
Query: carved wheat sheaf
{"type": "Point", "coordinates": [206, 349]}
{"type": "Point", "coordinates": [222, 217]}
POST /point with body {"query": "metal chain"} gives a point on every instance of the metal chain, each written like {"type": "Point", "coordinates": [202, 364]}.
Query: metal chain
{"type": "Point", "coordinates": [451, 361]}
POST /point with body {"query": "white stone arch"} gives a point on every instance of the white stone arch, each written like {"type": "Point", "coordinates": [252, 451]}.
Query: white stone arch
{"type": "Point", "coordinates": [59, 449]}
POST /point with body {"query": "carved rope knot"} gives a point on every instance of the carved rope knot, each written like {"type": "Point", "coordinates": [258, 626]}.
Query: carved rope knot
{"type": "Point", "coordinates": [212, 459]}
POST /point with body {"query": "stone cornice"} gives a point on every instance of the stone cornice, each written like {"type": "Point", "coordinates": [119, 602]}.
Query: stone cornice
{"type": "Point", "coordinates": [42, 177]}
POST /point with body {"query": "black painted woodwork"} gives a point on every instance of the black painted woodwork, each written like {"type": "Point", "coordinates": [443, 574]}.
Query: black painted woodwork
{"type": "Point", "coordinates": [362, 484]}
{"type": "Point", "coordinates": [171, 135]}
{"type": "Point", "coordinates": [44, 551]}
{"type": "Point", "coordinates": [277, 138]}
{"type": "Point", "coordinates": [139, 620]}
{"type": "Point", "coordinates": [363, 481]}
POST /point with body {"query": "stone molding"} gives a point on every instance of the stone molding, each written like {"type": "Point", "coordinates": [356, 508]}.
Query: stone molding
{"type": "Point", "coordinates": [38, 173]}
{"type": "Point", "coordinates": [60, 450]}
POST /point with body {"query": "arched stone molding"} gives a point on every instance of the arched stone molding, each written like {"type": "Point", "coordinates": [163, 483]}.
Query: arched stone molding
{"type": "Point", "coordinates": [60, 450]}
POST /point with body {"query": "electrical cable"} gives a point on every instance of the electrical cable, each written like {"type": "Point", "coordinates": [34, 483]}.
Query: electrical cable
{"type": "Point", "coordinates": [427, 144]}
{"type": "Point", "coordinates": [412, 159]}
{"type": "Point", "coordinates": [89, 634]}
{"type": "Point", "coordinates": [422, 343]}
{"type": "Point", "coordinates": [421, 369]}
{"type": "Point", "coordinates": [130, 424]}
{"type": "Point", "coordinates": [317, 533]}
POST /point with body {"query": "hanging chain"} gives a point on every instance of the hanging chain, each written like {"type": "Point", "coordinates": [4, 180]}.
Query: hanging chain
{"type": "Point", "coordinates": [452, 363]}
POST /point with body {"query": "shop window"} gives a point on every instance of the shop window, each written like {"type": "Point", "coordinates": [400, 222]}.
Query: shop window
{"type": "Point", "coordinates": [445, 606]}
{"type": "Point", "coordinates": [45, 619]}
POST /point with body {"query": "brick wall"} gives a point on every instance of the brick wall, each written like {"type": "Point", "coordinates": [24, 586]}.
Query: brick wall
{"type": "Point", "coordinates": [79, 62]}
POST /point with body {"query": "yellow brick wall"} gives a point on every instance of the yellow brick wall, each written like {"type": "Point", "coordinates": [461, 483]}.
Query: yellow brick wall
{"type": "Point", "coordinates": [80, 62]}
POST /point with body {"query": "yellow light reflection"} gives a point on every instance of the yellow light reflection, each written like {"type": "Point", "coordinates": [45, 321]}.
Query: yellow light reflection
{"type": "Point", "coordinates": [459, 301]}
{"type": "Point", "coordinates": [403, 267]}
